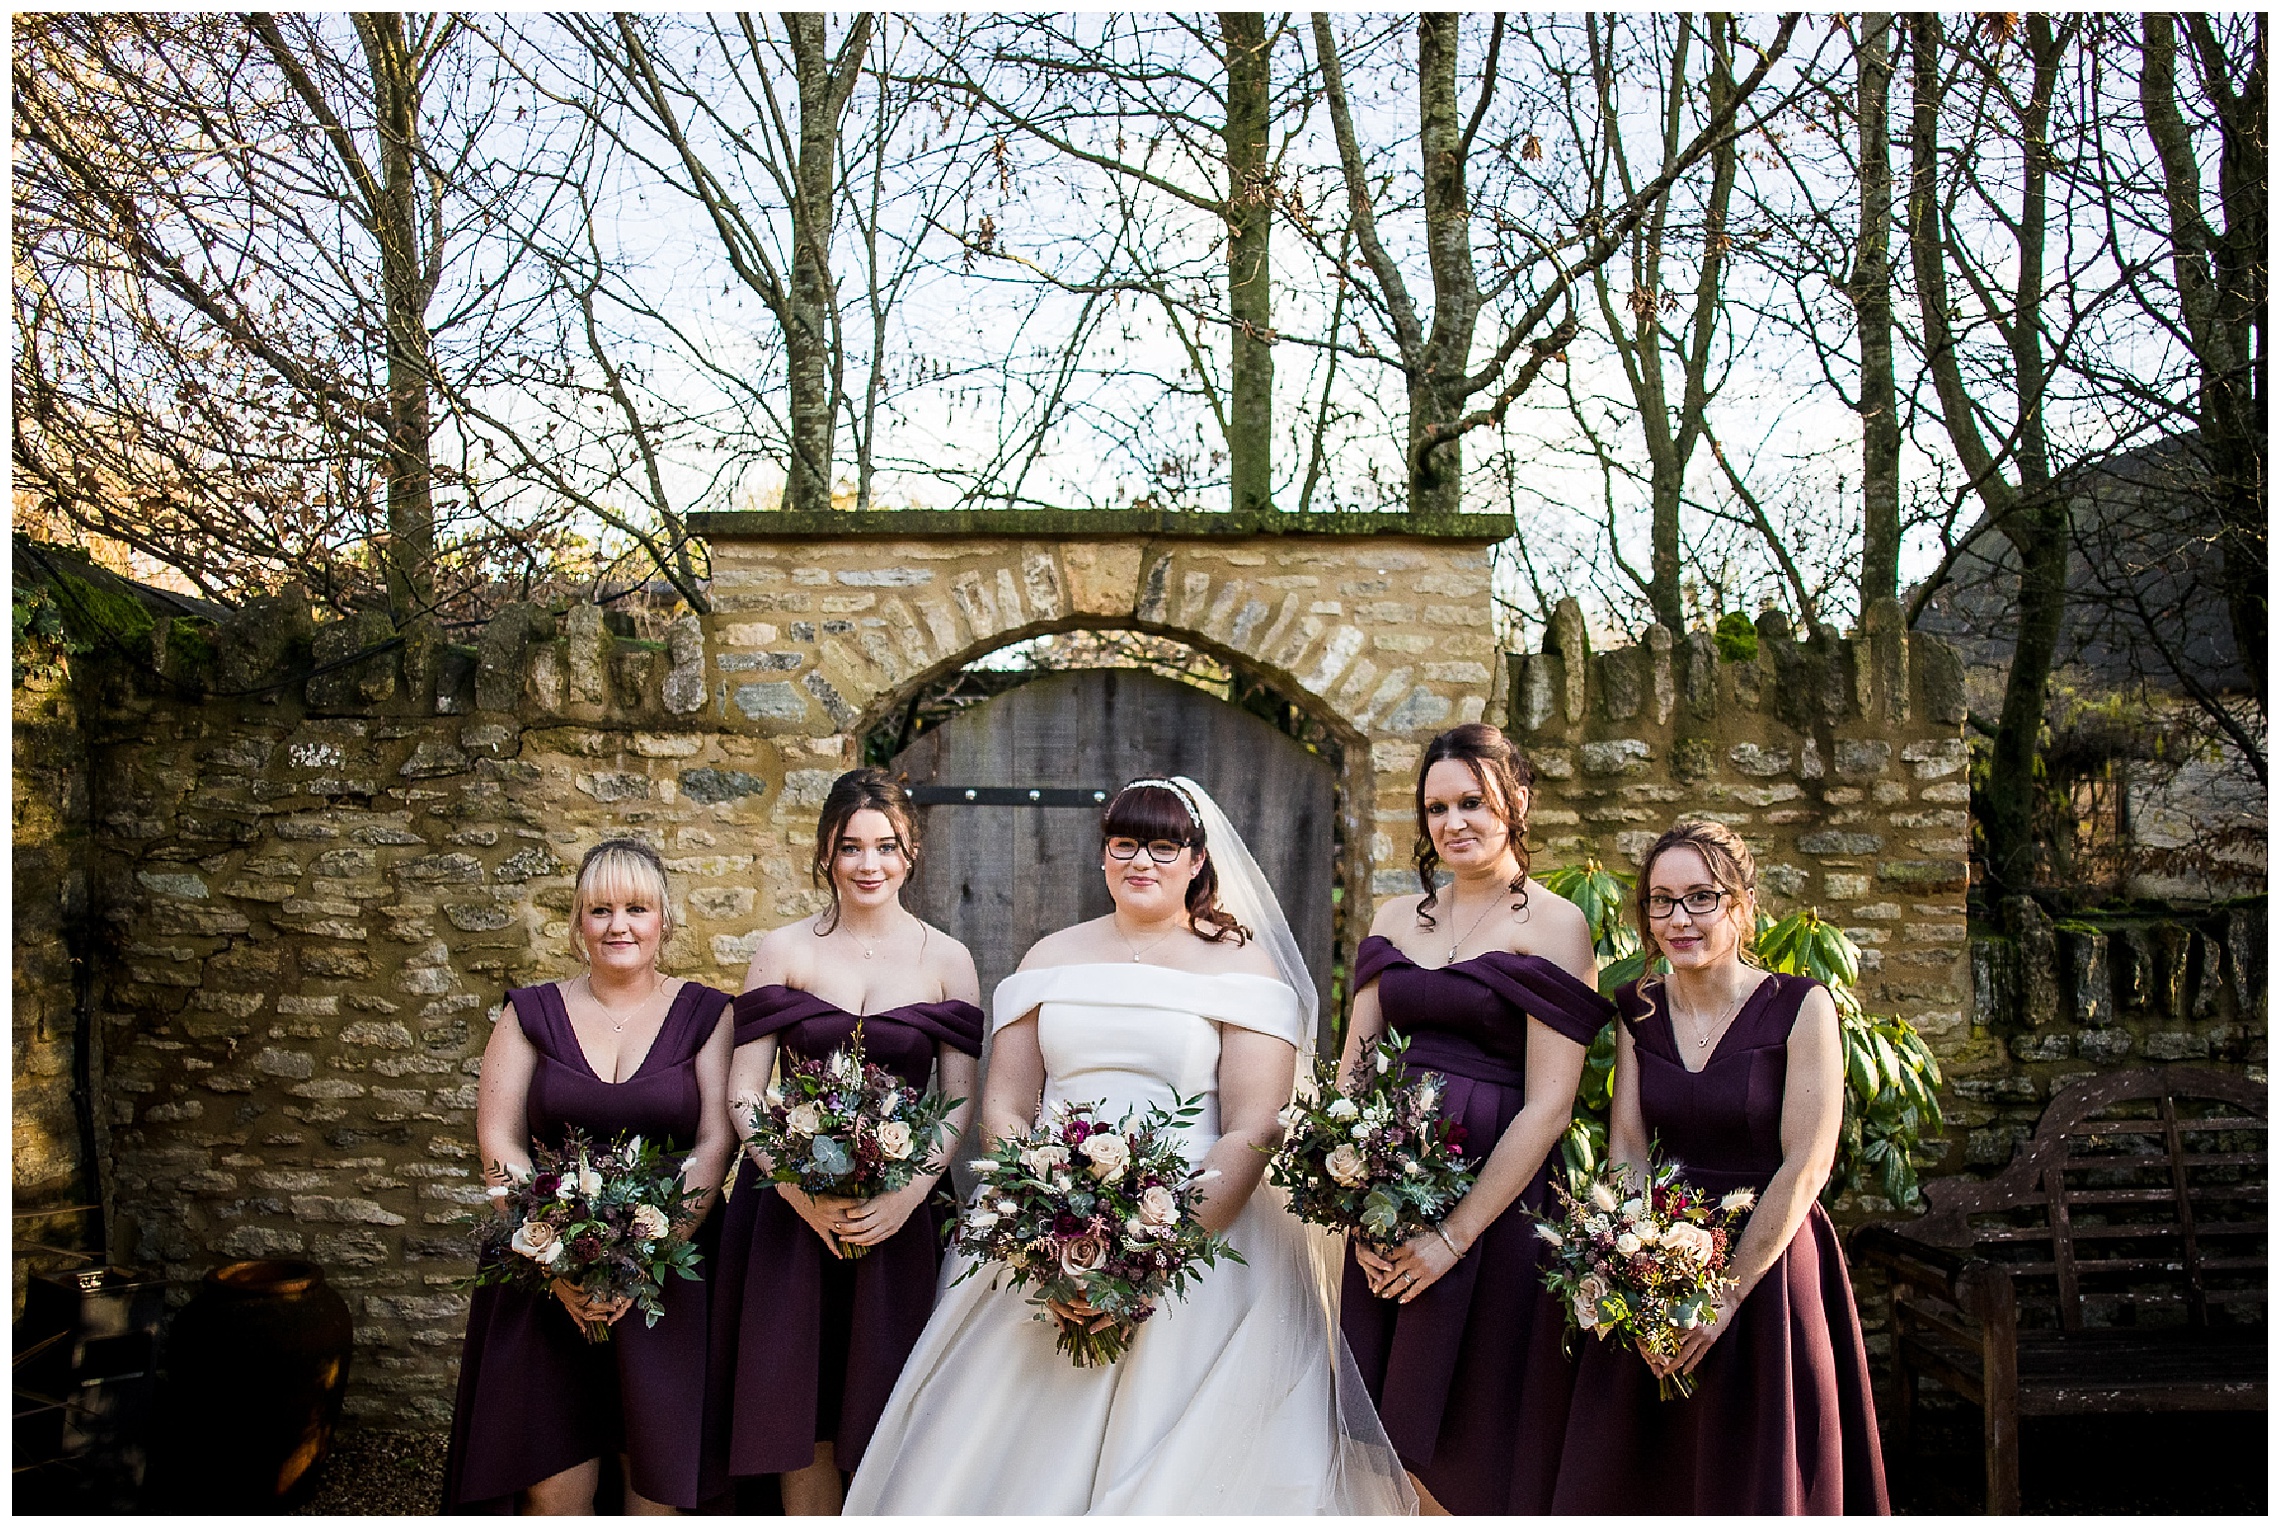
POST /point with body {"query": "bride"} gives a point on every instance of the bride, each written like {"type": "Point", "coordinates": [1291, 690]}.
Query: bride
{"type": "Point", "coordinates": [1239, 1397]}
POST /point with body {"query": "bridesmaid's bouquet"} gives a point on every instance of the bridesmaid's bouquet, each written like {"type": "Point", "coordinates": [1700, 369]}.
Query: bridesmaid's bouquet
{"type": "Point", "coordinates": [1375, 1157]}
{"type": "Point", "coordinates": [844, 1126]}
{"type": "Point", "coordinates": [1079, 1210]}
{"type": "Point", "coordinates": [1644, 1264]}
{"type": "Point", "coordinates": [599, 1217]}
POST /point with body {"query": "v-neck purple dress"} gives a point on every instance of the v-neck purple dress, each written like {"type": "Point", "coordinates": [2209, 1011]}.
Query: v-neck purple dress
{"type": "Point", "coordinates": [1781, 1420]}
{"type": "Point", "coordinates": [806, 1347]}
{"type": "Point", "coordinates": [1446, 1370]}
{"type": "Point", "coordinates": [535, 1397]}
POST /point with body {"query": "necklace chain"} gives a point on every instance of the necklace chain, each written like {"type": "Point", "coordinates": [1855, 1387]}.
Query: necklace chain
{"type": "Point", "coordinates": [1476, 923]}
{"type": "Point", "coordinates": [868, 950]}
{"type": "Point", "coordinates": [1704, 1031]}
{"type": "Point", "coordinates": [1140, 950]}
{"type": "Point", "coordinates": [619, 1027]}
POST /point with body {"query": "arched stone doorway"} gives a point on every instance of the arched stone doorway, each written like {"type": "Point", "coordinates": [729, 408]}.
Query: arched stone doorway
{"type": "Point", "coordinates": [1380, 625]}
{"type": "Point", "coordinates": [1009, 792]}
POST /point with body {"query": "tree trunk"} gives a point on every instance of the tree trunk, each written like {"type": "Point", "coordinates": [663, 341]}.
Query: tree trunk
{"type": "Point", "coordinates": [2033, 514]}
{"type": "Point", "coordinates": [2221, 290]}
{"type": "Point", "coordinates": [405, 286]}
{"type": "Point", "coordinates": [1250, 219]}
{"type": "Point", "coordinates": [1437, 392]}
{"type": "Point", "coordinates": [812, 352]}
{"type": "Point", "coordinates": [1870, 290]}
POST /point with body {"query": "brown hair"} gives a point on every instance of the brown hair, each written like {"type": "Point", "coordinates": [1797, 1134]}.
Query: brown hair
{"type": "Point", "coordinates": [858, 790]}
{"type": "Point", "coordinates": [616, 865]}
{"type": "Point", "coordinates": [1505, 779]}
{"type": "Point", "coordinates": [1148, 811]}
{"type": "Point", "coordinates": [1733, 870]}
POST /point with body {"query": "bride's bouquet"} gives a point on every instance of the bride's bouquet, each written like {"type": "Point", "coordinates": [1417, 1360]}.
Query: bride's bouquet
{"type": "Point", "coordinates": [844, 1126]}
{"type": "Point", "coordinates": [598, 1217]}
{"type": "Point", "coordinates": [1375, 1157]}
{"type": "Point", "coordinates": [1081, 1211]}
{"type": "Point", "coordinates": [1646, 1264]}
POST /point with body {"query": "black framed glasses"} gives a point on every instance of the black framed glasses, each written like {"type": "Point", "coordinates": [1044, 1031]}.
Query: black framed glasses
{"type": "Point", "coordinates": [1700, 903]}
{"type": "Point", "coordinates": [1162, 850]}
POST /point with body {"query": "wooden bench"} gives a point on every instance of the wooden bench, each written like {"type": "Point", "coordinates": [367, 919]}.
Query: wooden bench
{"type": "Point", "coordinates": [2117, 1265]}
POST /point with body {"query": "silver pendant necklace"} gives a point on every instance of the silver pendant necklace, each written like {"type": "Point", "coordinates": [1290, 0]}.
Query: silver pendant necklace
{"type": "Point", "coordinates": [1476, 923]}
{"type": "Point", "coordinates": [1140, 950]}
{"type": "Point", "coordinates": [609, 1012]}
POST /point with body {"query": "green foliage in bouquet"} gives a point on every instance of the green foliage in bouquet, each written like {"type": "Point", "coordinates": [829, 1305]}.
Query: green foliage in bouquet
{"type": "Point", "coordinates": [601, 1218]}
{"type": "Point", "coordinates": [1082, 1211]}
{"type": "Point", "coordinates": [1374, 1157]}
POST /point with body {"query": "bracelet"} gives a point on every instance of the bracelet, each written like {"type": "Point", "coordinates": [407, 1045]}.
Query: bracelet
{"type": "Point", "coordinates": [1454, 1249]}
{"type": "Point", "coordinates": [498, 1191]}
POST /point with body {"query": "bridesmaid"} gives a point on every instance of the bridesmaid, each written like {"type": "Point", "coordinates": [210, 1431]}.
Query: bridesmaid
{"type": "Point", "coordinates": [621, 1049]}
{"type": "Point", "coordinates": [1491, 978]}
{"type": "Point", "coordinates": [808, 1341]}
{"type": "Point", "coordinates": [1737, 1073]}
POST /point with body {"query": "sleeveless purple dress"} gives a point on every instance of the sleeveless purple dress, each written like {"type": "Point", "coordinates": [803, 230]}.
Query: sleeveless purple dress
{"type": "Point", "coordinates": [806, 1347]}
{"type": "Point", "coordinates": [1781, 1420]}
{"type": "Point", "coordinates": [535, 1397]}
{"type": "Point", "coordinates": [1446, 1370]}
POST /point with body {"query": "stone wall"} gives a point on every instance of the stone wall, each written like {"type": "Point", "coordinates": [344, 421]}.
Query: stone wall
{"type": "Point", "coordinates": [49, 1149]}
{"type": "Point", "coordinates": [1841, 762]}
{"type": "Point", "coordinates": [2100, 992]}
{"type": "Point", "coordinates": [317, 855]}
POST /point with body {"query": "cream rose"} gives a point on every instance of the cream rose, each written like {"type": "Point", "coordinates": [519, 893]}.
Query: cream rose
{"type": "Point", "coordinates": [538, 1241]}
{"type": "Point", "coordinates": [649, 1222]}
{"type": "Point", "coordinates": [1591, 1287]}
{"type": "Point", "coordinates": [1158, 1206]}
{"type": "Point", "coordinates": [1042, 1160]}
{"type": "Point", "coordinates": [894, 1140]}
{"type": "Point", "coordinates": [1342, 1108]}
{"type": "Point", "coordinates": [804, 1119]}
{"type": "Point", "coordinates": [1689, 1240]}
{"type": "Point", "coordinates": [1087, 1254]}
{"type": "Point", "coordinates": [1586, 1314]}
{"type": "Point", "coordinates": [1627, 1244]}
{"type": "Point", "coordinates": [1345, 1165]}
{"type": "Point", "coordinates": [1108, 1152]}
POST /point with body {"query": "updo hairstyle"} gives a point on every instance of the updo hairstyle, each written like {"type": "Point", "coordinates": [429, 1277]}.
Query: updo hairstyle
{"type": "Point", "coordinates": [1148, 812]}
{"type": "Point", "coordinates": [617, 870]}
{"type": "Point", "coordinates": [858, 790]}
{"type": "Point", "coordinates": [1506, 782]}
{"type": "Point", "coordinates": [1733, 870]}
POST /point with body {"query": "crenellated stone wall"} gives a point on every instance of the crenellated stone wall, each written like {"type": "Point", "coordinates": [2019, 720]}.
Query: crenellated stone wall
{"type": "Point", "coordinates": [1840, 761]}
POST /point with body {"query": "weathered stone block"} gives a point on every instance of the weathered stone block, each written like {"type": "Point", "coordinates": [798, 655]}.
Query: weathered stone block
{"type": "Point", "coordinates": [1616, 756]}
{"type": "Point", "coordinates": [1859, 757]}
{"type": "Point", "coordinates": [2088, 984]}
{"type": "Point", "coordinates": [1621, 687]}
{"type": "Point", "coordinates": [1839, 843]}
{"type": "Point", "coordinates": [2037, 940]}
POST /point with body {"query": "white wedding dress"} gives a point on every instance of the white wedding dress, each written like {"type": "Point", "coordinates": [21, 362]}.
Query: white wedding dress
{"type": "Point", "coordinates": [1239, 1397]}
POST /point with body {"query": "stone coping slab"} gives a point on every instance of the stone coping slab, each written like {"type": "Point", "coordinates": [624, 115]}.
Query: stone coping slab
{"type": "Point", "coordinates": [1088, 523]}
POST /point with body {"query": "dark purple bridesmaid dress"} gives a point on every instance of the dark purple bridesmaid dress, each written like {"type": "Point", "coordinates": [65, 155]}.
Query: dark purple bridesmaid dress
{"type": "Point", "coordinates": [1446, 1369]}
{"type": "Point", "coordinates": [1781, 1420]}
{"type": "Point", "coordinates": [806, 1347]}
{"type": "Point", "coordinates": [535, 1397]}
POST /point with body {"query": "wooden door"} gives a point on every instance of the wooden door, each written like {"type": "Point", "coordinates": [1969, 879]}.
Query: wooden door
{"type": "Point", "coordinates": [999, 872]}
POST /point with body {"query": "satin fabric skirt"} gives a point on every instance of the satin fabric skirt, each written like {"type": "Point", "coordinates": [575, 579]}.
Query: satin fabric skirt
{"type": "Point", "coordinates": [1239, 1398]}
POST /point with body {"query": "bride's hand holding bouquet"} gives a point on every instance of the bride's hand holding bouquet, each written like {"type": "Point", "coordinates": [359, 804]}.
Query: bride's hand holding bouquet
{"type": "Point", "coordinates": [1097, 1221]}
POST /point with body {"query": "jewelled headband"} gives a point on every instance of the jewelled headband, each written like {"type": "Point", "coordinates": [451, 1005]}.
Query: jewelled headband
{"type": "Point", "coordinates": [1195, 813]}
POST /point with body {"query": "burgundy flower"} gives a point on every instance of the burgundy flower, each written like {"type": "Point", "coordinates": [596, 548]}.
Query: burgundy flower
{"type": "Point", "coordinates": [1075, 1132]}
{"type": "Point", "coordinates": [586, 1246]}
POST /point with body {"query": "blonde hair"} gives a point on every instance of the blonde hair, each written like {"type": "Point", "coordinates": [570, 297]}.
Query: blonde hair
{"type": "Point", "coordinates": [614, 868]}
